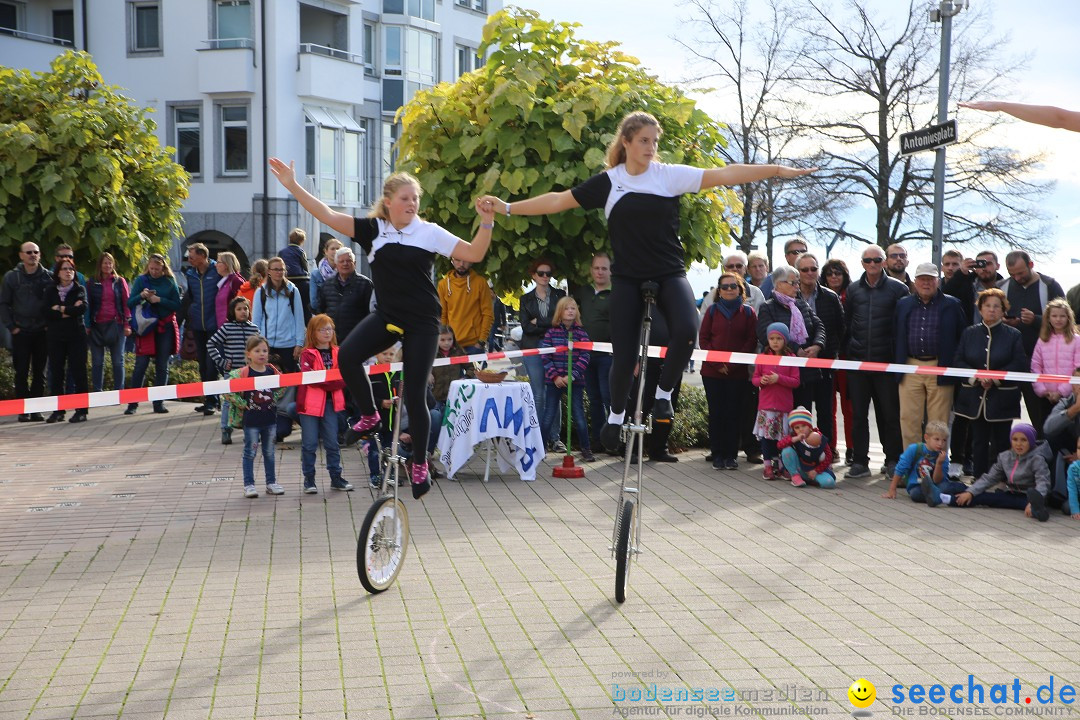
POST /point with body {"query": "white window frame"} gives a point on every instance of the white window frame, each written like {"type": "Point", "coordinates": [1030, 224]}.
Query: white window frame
{"type": "Point", "coordinates": [222, 126]}
{"type": "Point", "coordinates": [178, 126]}
{"type": "Point", "coordinates": [133, 8]}
{"type": "Point", "coordinates": [465, 60]}
{"type": "Point", "coordinates": [370, 52]}
{"type": "Point", "coordinates": [329, 184]}
{"type": "Point", "coordinates": [247, 41]}
{"type": "Point", "coordinates": [20, 18]}
{"type": "Point", "coordinates": [394, 68]}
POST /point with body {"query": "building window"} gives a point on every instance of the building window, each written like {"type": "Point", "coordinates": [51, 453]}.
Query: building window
{"type": "Point", "coordinates": [393, 7]}
{"type": "Point", "coordinates": [11, 18]}
{"type": "Point", "coordinates": [423, 9]}
{"type": "Point", "coordinates": [232, 24]}
{"type": "Point", "coordinates": [334, 159]}
{"type": "Point", "coordinates": [392, 45]}
{"type": "Point", "coordinates": [465, 60]}
{"type": "Point", "coordinates": [369, 49]}
{"type": "Point", "coordinates": [144, 27]}
{"type": "Point", "coordinates": [421, 57]}
{"type": "Point", "coordinates": [370, 157]}
{"type": "Point", "coordinates": [478, 5]}
{"type": "Point", "coordinates": [233, 140]}
{"type": "Point", "coordinates": [389, 147]}
{"type": "Point", "coordinates": [63, 27]}
{"type": "Point", "coordinates": [187, 129]}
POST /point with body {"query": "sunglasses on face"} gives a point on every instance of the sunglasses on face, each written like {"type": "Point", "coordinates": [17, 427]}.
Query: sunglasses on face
{"type": "Point", "coordinates": [65, 257]}
{"type": "Point", "coordinates": [795, 252]}
{"type": "Point", "coordinates": [729, 286]}
{"type": "Point", "coordinates": [734, 266]}
{"type": "Point", "coordinates": [898, 256]}
{"type": "Point", "coordinates": [874, 260]}
{"type": "Point", "coordinates": [808, 270]}
{"type": "Point", "coordinates": [835, 271]}
{"type": "Point", "coordinates": [31, 252]}
{"type": "Point", "coordinates": [543, 273]}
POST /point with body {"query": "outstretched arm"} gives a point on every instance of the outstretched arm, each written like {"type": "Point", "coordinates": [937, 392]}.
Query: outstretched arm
{"type": "Point", "coordinates": [742, 174]}
{"type": "Point", "coordinates": [545, 204]}
{"type": "Point", "coordinates": [476, 250]}
{"type": "Point", "coordinates": [286, 175]}
{"type": "Point", "coordinates": [1048, 115]}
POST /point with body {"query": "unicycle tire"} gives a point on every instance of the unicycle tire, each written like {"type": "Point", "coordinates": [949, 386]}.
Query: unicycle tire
{"type": "Point", "coordinates": [623, 549]}
{"type": "Point", "coordinates": [383, 543]}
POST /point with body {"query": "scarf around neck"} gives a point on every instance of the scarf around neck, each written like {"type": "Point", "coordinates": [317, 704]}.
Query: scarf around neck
{"type": "Point", "coordinates": [326, 269]}
{"type": "Point", "coordinates": [798, 327]}
{"type": "Point", "coordinates": [728, 308]}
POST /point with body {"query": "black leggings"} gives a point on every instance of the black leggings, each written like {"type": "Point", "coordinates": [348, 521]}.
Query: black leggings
{"type": "Point", "coordinates": [418, 348]}
{"type": "Point", "coordinates": [676, 303]}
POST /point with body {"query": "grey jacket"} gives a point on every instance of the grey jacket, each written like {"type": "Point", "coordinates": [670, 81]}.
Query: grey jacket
{"type": "Point", "coordinates": [1058, 420]}
{"type": "Point", "coordinates": [1017, 472]}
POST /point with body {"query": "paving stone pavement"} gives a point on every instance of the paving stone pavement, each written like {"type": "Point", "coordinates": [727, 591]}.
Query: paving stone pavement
{"type": "Point", "coordinates": [136, 582]}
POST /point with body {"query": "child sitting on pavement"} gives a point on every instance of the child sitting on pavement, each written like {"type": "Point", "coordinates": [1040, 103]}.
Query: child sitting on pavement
{"type": "Point", "coordinates": [1024, 473]}
{"type": "Point", "coordinates": [805, 453]}
{"type": "Point", "coordinates": [1074, 485]}
{"type": "Point", "coordinates": [924, 468]}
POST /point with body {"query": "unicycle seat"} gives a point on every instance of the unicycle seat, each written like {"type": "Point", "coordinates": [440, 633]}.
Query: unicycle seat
{"type": "Point", "coordinates": [649, 291]}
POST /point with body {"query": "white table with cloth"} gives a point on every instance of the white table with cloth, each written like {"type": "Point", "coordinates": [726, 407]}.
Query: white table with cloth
{"type": "Point", "coordinates": [499, 414]}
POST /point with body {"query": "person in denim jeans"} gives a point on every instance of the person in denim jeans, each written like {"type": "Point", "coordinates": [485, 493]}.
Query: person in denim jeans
{"type": "Point", "coordinates": [158, 289]}
{"type": "Point", "coordinates": [107, 296]}
{"type": "Point", "coordinates": [260, 417]}
{"type": "Point", "coordinates": [319, 404]}
{"type": "Point", "coordinates": [559, 374]}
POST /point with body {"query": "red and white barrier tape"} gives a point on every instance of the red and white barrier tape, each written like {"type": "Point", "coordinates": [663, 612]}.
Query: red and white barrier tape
{"type": "Point", "coordinates": [217, 387]}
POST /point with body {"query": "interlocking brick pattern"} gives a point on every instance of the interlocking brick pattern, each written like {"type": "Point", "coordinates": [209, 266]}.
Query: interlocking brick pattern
{"type": "Point", "coordinates": [136, 582]}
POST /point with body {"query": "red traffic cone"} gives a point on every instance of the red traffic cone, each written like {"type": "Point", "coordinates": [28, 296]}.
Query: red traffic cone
{"type": "Point", "coordinates": [568, 469]}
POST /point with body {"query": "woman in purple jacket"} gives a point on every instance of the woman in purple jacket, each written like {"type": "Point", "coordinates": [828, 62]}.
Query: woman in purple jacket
{"type": "Point", "coordinates": [565, 326]}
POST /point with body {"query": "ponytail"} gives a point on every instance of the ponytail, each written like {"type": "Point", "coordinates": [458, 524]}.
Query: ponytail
{"type": "Point", "coordinates": [628, 127]}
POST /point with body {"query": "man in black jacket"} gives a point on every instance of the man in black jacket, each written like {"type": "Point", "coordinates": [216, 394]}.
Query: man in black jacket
{"type": "Point", "coordinates": [22, 311]}
{"type": "Point", "coordinates": [826, 305]}
{"type": "Point", "coordinates": [871, 304]}
{"type": "Point", "coordinates": [347, 297]}
{"type": "Point", "coordinates": [972, 278]}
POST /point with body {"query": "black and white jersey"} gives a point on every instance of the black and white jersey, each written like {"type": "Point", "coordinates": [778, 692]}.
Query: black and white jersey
{"type": "Point", "coordinates": [401, 267]}
{"type": "Point", "coordinates": [643, 216]}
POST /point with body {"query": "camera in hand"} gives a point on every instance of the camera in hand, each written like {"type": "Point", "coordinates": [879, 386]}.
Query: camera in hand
{"type": "Point", "coordinates": [980, 263]}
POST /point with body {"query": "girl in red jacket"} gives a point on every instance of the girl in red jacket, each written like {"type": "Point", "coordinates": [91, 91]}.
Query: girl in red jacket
{"type": "Point", "coordinates": [775, 399]}
{"type": "Point", "coordinates": [318, 405]}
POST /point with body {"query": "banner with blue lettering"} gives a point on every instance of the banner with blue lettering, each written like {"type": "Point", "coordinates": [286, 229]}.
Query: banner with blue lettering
{"type": "Point", "coordinates": [504, 412]}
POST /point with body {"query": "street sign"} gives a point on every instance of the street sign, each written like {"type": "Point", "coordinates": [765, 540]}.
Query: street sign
{"type": "Point", "coordinates": [929, 138]}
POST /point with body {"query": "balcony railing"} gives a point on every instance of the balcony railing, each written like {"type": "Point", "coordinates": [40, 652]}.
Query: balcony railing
{"type": "Point", "coordinates": [229, 43]}
{"type": "Point", "coordinates": [313, 49]}
{"type": "Point", "coordinates": [35, 37]}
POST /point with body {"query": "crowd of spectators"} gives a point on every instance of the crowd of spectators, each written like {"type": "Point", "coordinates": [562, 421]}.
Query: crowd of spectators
{"type": "Point", "coordinates": [964, 314]}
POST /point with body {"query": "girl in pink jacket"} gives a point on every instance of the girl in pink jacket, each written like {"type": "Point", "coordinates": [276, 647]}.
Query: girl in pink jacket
{"type": "Point", "coordinates": [319, 404]}
{"type": "Point", "coordinates": [1057, 352]}
{"type": "Point", "coordinates": [775, 399]}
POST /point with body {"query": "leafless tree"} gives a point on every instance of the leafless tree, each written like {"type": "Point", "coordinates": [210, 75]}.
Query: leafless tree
{"type": "Point", "coordinates": [869, 82]}
{"type": "Point", "coordinates": [752, 55]}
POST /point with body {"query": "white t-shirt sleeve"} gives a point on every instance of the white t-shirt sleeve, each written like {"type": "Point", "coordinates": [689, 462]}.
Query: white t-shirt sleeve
{"type": "Point", "coordinates": [440, 240]}
{"type": "Point", "coordinates": [679, 179]}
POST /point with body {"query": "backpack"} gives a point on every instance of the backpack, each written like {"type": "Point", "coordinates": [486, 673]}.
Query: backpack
{"type": "Point", "coordinates": [262, 299]}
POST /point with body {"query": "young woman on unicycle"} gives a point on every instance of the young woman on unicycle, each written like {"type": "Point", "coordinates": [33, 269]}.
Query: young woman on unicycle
{"type": "Point", "coordinates": [401, 249]}
{"type": "Point", "coordinates": [640, 198]}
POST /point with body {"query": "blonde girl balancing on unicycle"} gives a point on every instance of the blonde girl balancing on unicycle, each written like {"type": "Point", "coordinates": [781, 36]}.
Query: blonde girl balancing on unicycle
{"type": "Point", "coordinates": [401, 249]}
{"type": "Point", "coordinates": [640, 198]}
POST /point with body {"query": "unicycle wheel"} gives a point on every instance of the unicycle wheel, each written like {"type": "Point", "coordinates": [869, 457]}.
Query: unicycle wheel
{"type": "Point", "coordinates": [623, 549]}
{"type": "Point", "coordinates": [383, 542]}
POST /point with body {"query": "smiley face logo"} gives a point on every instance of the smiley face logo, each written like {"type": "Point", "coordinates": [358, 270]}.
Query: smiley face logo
{"type": "Point", "coordinates": [862, 693]}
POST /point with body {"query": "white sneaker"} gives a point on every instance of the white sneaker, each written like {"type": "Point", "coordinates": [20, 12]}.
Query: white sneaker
{"type": "Point", "coordinates": [250, 491]}
{"type": "Point", "coordinates": [956, 472]}
{"type": "Point", "coordinates": [274, 489]}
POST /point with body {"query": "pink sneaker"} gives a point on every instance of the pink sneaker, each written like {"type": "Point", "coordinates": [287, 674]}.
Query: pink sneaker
{"type": "Point", "coordinates": [767, 471]}
{"type": "Point", "coordinates": [366, 422]}
{"type": "Point", "coordinates": [420, 482]}
{"type": "Point", "coordinates": [797, 481]}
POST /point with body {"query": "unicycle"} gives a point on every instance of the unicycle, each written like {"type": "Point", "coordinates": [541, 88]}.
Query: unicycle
{"type": "Point", "coordinates": [384, 534]}
{"type": "Point", "coordinates": [626, 538]}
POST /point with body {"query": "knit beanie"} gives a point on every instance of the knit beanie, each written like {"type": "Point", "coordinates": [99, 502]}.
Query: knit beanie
{"type": "Point", "coordinates": [1027, 430]}
{"type": "Point", "coordinates": [802, 415]}
{"type": "Point", "coordinates": [778, 327]}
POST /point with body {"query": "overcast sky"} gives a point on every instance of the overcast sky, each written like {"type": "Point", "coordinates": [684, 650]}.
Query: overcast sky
{"type": "Point", "coordinates": [1047, 31]}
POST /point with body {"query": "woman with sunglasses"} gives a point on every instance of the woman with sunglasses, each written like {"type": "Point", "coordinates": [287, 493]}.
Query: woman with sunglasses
{"type": "Point", "coordinates": [535, 314]}
{"type": "Point", "coordinates": [65, 332]}
{"type": "Point", "coordinates": [835, 277]}
{"type": "Point", "coordinates": [640, 198]}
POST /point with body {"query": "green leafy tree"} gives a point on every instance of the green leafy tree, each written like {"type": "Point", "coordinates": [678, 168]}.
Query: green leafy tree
{"type": "Point", "coordinates": [79, 163]}
{"type": "Point", "coordinates": [539, 117]}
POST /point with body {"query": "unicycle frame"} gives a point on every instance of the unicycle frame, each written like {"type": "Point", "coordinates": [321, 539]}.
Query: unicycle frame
{"type": "Point", "coordinates": [391, 464]}
{"type": "Point", "coordinates": [633, 435]}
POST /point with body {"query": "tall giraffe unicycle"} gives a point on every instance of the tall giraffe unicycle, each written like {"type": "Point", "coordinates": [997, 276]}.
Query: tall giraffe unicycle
{"type": "Point", "coordinates": [384, 534]}
{"type": "Point", "coordinates": [626, 538]}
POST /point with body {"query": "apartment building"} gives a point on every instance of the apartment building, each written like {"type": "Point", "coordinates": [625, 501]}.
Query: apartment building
{"type": "Point", "coordinates": [232, 82]}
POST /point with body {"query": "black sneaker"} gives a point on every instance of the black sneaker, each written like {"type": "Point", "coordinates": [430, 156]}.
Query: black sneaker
{"type": "Point", "coordinates": [731, 464]}
{"type": "Point", "coordinates": [309, 485]}
{"type": "Point", "coordinates": [78, 417]}
{"type": "Point", "coordinates": [857, 470]}
{"type": "Point", "coordinates": [611, 437]}
{"type": "Point", "coordinates": [719, 464]}
{"type": "Point", "coordinates": [664, 457]}
{"type": "Point", "coordinates": [338, 484]}
{"type": "Point", "coordinates": [36, 417]}
{"type": "Point", "coordinates": [1039, 510]}
{"type": "Point", "coordinates": [131, 408]}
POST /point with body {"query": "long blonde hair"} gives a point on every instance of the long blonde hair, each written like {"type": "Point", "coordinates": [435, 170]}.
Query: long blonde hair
{"type": "Point", "coordinates": [1047, 331]}
{"type": "Point", "coordinates": [628, 127]}
{"type": "Point", "coordinates": [560, 308]}
{"type": "Point", "coordinates": [389, 188]}
{"type": "Point", "coordinates": [230, 261]}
